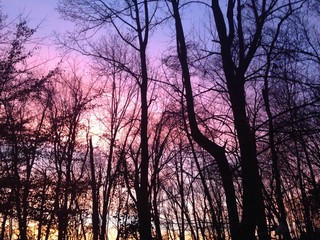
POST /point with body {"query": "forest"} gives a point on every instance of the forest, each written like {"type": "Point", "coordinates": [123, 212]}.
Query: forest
{"type": "Point", "coordinates": [183, 119]}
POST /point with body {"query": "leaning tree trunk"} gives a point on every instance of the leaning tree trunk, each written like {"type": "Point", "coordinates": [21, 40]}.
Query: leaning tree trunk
{"type": "Point", "coordinates": [215, 150]}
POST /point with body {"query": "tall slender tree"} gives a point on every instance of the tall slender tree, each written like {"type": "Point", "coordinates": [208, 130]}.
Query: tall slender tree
{"type": "Point", "coordinates": [139, 18]}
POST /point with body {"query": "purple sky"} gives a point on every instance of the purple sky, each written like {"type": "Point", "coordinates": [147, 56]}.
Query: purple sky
{"type": "Point", "coordinates": [42, 13]}
{"type": "Point", "coordinates": [39, 12]}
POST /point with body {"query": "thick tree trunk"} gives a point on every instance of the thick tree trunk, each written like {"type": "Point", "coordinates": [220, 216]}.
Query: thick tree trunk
{"type": "Point", "coordinates": [143, 205]}
{"type": "Point", "coordinates": [216, 230]}
{"type": "Point", "coordinates": [253, 204]}
{"type": "Point", "coordinates": [143, 193]}
{"type": "Point", "coordinates": [216, 151]}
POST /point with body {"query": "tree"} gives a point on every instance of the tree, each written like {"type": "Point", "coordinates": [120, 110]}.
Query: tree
{"type": "Point", "coordinates": [68, 103]}
{"type": "Point", "coordinates": [116, 114]}
{"type": "Point", "coordinates": [217, 152]}
{"type": "Point", "coordinates": [139, 18]}
{"type": "Point", "coordinates": [20, 90]}
{"type": "Point", "coordinates": [239, 43]}
{"type": "Point", "coordinates": [220, 141]}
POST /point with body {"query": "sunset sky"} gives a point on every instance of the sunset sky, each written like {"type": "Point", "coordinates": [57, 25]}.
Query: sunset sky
{"type": "Point", "coordinates": [42, 13]}
{"type": "Point", "coordinates": [38, 12]}
{"type": "Point", "coordinates": [149, 119]}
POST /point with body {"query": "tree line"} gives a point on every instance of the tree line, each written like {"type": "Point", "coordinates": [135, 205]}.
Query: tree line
{"type": "Point", "coordinates": [217, 138]}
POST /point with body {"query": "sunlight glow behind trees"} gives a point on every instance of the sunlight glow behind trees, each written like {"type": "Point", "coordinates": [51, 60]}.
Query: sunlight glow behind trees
{"type": "Point", "coordinates": [160, 120]}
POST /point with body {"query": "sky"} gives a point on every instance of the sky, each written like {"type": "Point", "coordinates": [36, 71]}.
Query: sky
{"type": "Point", "coordinates": [42, 13]}
{"type": "Point", "coordinates": [39, 12]}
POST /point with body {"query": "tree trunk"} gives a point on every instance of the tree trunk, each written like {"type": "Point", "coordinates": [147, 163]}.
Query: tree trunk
{"type": "Point", "coordinates": [216, 151]}
{"type": "Point", "coordinates": [253, 204]}
{"type": "Point", "coordinates": [143, 205]}
{"type": "Point", "coordinates": [95, 204]}
{"type": "Point", "coordinates": [275, 167]}
{"type": "Point", "coordinates": [143, 193]}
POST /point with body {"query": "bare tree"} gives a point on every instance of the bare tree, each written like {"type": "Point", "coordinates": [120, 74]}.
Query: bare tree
{"type": "Point", "coordinates": [239, 43]}
{"type": "Point", "coordinates": [119, 109]}
{"type": "Point", "coordinates": [69, 100]}
{"type": "Point", "coordinates": [20, 90]}
{"type": "Point", "coordinates": [139, 18]}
